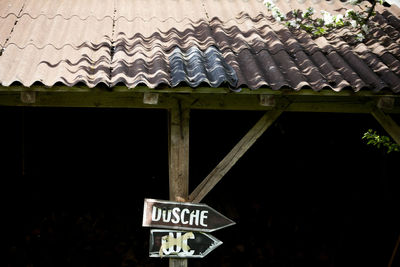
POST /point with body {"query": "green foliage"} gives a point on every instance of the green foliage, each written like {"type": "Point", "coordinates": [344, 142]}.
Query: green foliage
{"type": "Point", "coordinates": [380, 141]}
{"type": "Point", "coordinates": [318, 26]}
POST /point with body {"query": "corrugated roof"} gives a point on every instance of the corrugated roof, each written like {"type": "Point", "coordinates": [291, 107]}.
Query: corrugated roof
{"type": "Point", "coordinates": [183, 42]}
{"type": "Point", "coordinates": [68, 9]}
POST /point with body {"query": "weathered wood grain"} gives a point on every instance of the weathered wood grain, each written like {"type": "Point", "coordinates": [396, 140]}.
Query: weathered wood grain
{"type": "Point", "coordinates": [178, 150]}
{"type": "Point", "coordinates": [233, 101]}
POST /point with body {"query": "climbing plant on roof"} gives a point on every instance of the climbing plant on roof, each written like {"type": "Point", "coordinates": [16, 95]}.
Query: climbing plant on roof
{"type": "Point", "coordinates": [307, 20]}
{"type": "Point", "coordinates": [358, 21]}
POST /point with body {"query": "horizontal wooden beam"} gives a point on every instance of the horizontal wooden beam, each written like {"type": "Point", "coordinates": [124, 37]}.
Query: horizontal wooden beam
{"type": "Point", "coordinates": [85, 99]}
{"type": "Point", "coordinates": [231, 101]}
{"type": "Point", "coordinates": [333, 107]}
{"type": "Point", "coordinates": [261, 91]}
{"type": "Point", "coordinates": [284, 91]}
{"type": "Point", "coordinates": [292, 103]}
{"type": "Point", "coordinates": [234, 155]}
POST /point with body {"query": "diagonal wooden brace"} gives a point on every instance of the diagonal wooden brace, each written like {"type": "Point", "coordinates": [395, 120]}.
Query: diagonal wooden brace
{"type": "Point", "coordinates": [387, 123]}
{"type": "Point", "coordinates": [234, 155]}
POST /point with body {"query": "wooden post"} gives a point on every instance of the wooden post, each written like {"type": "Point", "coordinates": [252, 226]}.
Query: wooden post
{"type": "Point", "coordinates": [178, 149]}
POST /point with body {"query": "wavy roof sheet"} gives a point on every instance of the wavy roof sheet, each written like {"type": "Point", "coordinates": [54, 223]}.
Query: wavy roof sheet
{"type": "Point", "coordinates": [68, 9]}
{"type": "Point", "coordinates": [188, 43]}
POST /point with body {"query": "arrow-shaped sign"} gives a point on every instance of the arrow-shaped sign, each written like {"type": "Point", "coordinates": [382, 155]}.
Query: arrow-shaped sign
{"type": "Point", "coordinates": [180, 244]}
{"type": "Point", "coordinates": [183, 216]}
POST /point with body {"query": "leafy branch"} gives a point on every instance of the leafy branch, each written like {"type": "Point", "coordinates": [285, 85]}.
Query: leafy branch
{"type": "Point", "coordinates": [318, 26]}
{"type": "Point", "coordinates": [380, 141]}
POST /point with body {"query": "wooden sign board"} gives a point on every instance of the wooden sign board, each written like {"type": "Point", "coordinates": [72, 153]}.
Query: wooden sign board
{"type": "Point", "coordinates": [182, 216]}
{"type": "Point", "coordinates": [181, 244]}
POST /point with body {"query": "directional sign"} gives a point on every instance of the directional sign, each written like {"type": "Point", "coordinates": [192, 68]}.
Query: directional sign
{"type": "Point", "coordinates": [183, 216]}
{"type": "Point", "coordinates": [181, 244]}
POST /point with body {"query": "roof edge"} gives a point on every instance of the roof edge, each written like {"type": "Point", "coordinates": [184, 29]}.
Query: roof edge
{"type": "Point", "coordinates": [202, 90]}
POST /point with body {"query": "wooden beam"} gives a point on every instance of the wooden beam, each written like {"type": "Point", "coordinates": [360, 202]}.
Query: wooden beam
{"type": "Point", "coordinates": [234, 155]}
{"type": "Point", "coordinates": [284, 91]}
{"type": "Point", "coordinates": [178, 149]}
{"type": "Point", "coordinates": [179, 152]}
{"type": "Point", "coordinates": [232, 101]}
{"type": "Point", "coordinates": [292, 103]}
{"type": "Point", "coordinates": [387, 123]}
{"type": "Point", "coordinates": [86, 99]}
{"type": "Point", "coordinates": [330, 107]}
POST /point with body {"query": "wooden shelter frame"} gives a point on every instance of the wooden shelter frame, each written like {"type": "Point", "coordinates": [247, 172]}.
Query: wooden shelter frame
{"type": "Point", "coordinates": [179, 102]}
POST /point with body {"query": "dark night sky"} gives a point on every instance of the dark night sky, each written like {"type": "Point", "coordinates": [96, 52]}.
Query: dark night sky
{"type": "Point", "coordinates": [309, 193]}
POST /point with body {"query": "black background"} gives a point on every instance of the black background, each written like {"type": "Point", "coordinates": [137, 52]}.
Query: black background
{"type": "Point", "coordinates": [310, 192]}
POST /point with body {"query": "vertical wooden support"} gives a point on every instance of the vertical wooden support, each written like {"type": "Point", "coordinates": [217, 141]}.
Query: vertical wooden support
{"type": "Point", "coordinates": [178, 150]}
{"type": "Point", "coordinates": [388, 124]}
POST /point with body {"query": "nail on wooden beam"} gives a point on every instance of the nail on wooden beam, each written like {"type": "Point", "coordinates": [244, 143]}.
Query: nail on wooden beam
{"type": "Point", "coordinates": [385, 103]}
{"type": "Point", "coordinates": [267, 100]}
{"type": "Point", "coordinates": [28, 97]}
{"type": "Point", "coordinates": [150, 98]}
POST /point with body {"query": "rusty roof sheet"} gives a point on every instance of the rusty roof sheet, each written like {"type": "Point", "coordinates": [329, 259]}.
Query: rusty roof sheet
{"type": "Point", "coordinates": [189, 42]}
